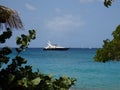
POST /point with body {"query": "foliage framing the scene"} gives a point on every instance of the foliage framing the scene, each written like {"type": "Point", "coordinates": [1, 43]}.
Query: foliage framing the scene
{"type": "Point", "coordinates": [16, 76]}
{"type": "Point", "coordinates": [110, 49]}
{"type": "Point", "coordinates": [108, 3]}
{"type": "Point", "coordinates": [9, 18]}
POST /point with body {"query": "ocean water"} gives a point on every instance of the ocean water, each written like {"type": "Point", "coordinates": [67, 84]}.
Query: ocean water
{"type": "Point", "coordinates": [77, 63]}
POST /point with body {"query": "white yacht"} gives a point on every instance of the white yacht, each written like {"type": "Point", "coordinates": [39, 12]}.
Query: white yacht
{"type": "Point", "coordinates": [54, 47]}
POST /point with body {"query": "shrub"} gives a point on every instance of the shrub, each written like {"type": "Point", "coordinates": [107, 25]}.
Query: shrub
{"type": "Point", "coordinates": [18, 77]}
{"type": "Point", "coordinates": [110, 49]}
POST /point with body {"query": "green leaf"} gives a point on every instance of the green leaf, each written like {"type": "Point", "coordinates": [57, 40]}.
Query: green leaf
{"type": "Point", "coordinates": [36, 81]}
{"type": "Point", "coordinates": [6, 50]}
{"type": "Point", "coordinates": [23, 82]}
{"type": "Point", "coordinates": [18, 40]}
{"type": "Point", "coordinates": [11, 78]}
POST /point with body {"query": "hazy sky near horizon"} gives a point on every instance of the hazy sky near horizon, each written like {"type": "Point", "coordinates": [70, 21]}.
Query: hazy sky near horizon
{"type": "Point", "coordinates": [69, 23]}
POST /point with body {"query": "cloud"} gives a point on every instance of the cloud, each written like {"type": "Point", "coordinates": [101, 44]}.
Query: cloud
{"type": "Point", "coordinates": [64, 22]}
{"type": "Point", "coordinates": [30, 7]}
{"type": "Point", "coordinates": [58, 10]}
{"type": "Point", "coordinates": [87, 1]}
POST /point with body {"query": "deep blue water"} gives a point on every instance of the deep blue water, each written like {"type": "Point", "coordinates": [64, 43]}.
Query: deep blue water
{"type": "Point", "coordinates": [77, 63]}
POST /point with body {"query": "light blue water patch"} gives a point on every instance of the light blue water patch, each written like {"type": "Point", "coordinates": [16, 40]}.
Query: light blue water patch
{"type": "Point", "coordinates": [77, 63]}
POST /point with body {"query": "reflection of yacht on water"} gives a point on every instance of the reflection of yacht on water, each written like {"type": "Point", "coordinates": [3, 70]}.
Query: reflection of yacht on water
{"type": "Point", "coordinates": [54, 47]}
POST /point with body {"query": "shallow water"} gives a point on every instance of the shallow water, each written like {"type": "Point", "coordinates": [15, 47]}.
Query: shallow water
{"type": "Point", "coordinates": [77, 63]}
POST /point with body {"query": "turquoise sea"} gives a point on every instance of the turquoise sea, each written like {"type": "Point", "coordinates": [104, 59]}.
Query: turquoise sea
{"type": "Point", "coordinates": [79, 63]}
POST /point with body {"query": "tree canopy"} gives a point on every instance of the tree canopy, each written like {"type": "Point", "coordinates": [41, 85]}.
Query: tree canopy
{"type": "Point", "coordinates": [110, 49]}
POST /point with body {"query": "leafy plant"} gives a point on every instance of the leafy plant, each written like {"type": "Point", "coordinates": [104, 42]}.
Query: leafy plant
{"type": "Point", "coordinates": [110, 49]}
{"type": "Point", "coordinates": [18, 77]}
{"type": "Point", "coordinates": [108, 3]}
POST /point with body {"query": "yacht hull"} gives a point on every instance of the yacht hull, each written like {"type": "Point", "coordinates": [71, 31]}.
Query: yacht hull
{"type": "Point", "coordinates": [62, 49]}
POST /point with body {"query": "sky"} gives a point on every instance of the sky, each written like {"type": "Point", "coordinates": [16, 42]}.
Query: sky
{"type": "Point", "coordinates": [69, 23]}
